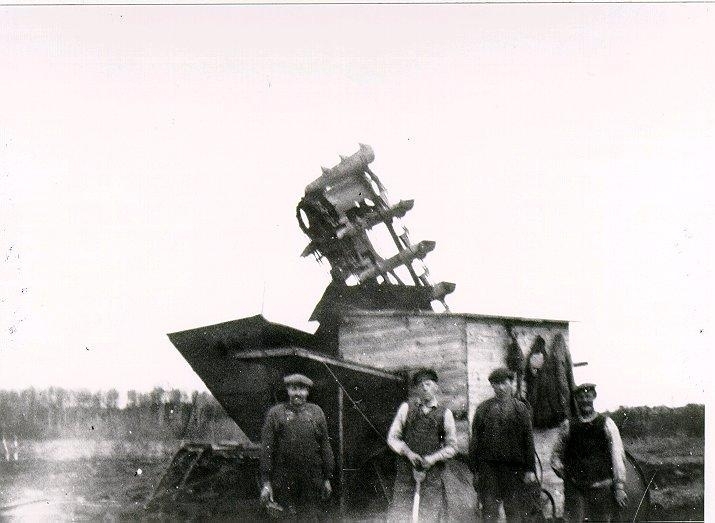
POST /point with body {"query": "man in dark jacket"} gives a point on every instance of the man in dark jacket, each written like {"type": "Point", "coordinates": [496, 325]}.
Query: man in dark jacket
{"type": "Point", "coordinates": [501, 450]}
{"type": "Point", "coordinates": [296, 457]}
{"type": "Point", "coordinates": [589, 456]}
{"type": "Point", "coordinates": [424, 436]}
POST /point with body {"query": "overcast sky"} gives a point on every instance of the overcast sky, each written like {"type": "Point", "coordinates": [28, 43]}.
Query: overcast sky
{"type": "Point", "coordinates": [151, 159]}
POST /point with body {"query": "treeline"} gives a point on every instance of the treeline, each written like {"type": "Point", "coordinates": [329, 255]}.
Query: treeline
{"type": "Point", "coordinates": [174, 414]}
{"type": "Point", "coordinates": [637, 422]}
{"type": "Point", "coordinates": [158, 415]}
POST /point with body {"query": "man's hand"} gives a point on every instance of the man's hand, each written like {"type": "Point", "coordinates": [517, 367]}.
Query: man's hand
{"type": "Point", "coordinates": [621, 497]}
{"type": "Point", "coordinates": [417, 461]}
{"type": "Point", "coordinates": [327, 490]}
{"type": "Point", "coordinates": [266, 493]}
{"type": "Point", "coordinates": [529, 478]}
{"type": "Point", "coordinates": [428, 462]}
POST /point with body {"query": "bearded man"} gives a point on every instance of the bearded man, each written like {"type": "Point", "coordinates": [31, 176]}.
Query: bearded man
{"type": "Point", "coordinates": [589, 456]}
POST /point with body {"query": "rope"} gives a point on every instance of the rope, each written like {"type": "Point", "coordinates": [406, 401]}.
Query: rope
{"type": "Point", "coordinates": [354, 403]}
{"type": "Point", "coordinates": [645, 492]}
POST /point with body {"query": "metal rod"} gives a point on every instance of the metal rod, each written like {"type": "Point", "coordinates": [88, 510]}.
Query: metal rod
{"type": "Point", "coordinates": [305, 353]}
{"type": "Point", "coordinates": [341, 450]}
{"type": "Point", "coordinates": [398, 243]}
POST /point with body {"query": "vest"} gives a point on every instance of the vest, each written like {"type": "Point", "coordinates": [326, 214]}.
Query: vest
{"type": "Point", "coordinates": [424, 433]}
{"type": "Point", "coordinates": [588, 456]}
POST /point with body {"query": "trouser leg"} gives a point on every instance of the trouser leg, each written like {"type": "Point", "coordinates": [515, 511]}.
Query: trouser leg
{"type": "Point", "coordinates": [573, 502]}
{"type": "Point", "coordinates": [299, 499]}
{"type": "Point", "coordinates": [402, 494]}
{"type": "Point", "coordinates": [432, 496]}
{"type": "Point", "coordinates": [488, 489]}
{"type": "Point", "coordinates": [284, 493]}
{"type": "Point", "coordinates": [600, 505]}
{"type": "Point", "coordinates": [306, 505]}
{"type": "Point", "coordinates": [513, 492]}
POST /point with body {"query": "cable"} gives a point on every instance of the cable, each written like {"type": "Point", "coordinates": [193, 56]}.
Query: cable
{"type": "Point", "coordinates": [645, 493]}
{"type": "Point", "coordinates": [355, 405]}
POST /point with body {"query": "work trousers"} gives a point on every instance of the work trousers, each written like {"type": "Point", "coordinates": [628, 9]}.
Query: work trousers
{"type": "Point", "coordinates": [501, 483]}
{"type": "Point", "coordinates": [300, 499]}
{"type": "Point", "coordinates": [589, 504]}
{"type": "Point", "coordinates": [432, 505]}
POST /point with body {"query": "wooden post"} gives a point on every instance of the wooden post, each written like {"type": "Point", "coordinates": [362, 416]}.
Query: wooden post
{"type": "Point", "coordinates": [341, 452]}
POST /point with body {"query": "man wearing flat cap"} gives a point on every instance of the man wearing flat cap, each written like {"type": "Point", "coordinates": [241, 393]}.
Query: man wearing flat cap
{"type": "Point", "coordinates": [501, 450]}
{"type": "Point", "coordinates": [424, 437]}
{"type": "Point", "coordinates": [296, 457]}
{"type": "Point", "coordinates": [589, 456]}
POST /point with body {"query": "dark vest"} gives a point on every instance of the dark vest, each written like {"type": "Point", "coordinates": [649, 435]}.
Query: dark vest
{"type": "Point", "coordinates": [588, 455]}
{"type": "Point", "coordinates": [424, 433]}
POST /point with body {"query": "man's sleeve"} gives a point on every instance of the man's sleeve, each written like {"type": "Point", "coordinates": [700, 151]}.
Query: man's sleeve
{"type": "Point", "coordinates": [450, 439]}
{"type": "Point", "coordinates": [529, 452]}
{"type": "Point", "coordinates": [394, 436]}
{"type": "Point", "coordinates": [326, 451]}
{"type": "Point", "coordinates": [268, 444]}
{"type": "Point", "coordinates": [557, 454]}
{"type": "Point", "coordinates": [473, 439]}
{"type": "Point", "coordinates": [618, 454]}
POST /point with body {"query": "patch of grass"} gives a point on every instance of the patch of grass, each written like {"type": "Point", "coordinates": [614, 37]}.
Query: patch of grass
{"type": "Point", "coordinates": [676, 496]}
{"type": "Point", "coordinates": [678, 503]}
{"type": "Point", "coordinates": [676, 464]}
{"type": "Point", "coordinates": [670, 449]}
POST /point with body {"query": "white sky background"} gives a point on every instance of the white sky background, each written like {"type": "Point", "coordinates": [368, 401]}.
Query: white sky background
{"type": "Point", "coordinates": [151, 159]}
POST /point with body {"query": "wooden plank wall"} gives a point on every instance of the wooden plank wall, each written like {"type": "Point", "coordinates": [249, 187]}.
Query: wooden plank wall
{"type": "Point", "coordinates": [463, 349]}
{"type": "Point", "coordinates": [407, 342]}
{"type": "Point", "coordinates": [487, 343]}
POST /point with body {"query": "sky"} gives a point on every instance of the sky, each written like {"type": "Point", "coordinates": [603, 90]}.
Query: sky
{"type": "Point", "coordinates": [151, 158]}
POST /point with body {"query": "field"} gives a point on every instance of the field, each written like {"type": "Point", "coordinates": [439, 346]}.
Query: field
{"type": "Point", "coordinates": [676, 466]}
{"type": "Point", "coordinates": [77, 480]}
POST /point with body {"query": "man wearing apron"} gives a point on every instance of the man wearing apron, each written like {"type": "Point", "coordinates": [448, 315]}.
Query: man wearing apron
{"type": "Point", "coordinates": [424, 436]}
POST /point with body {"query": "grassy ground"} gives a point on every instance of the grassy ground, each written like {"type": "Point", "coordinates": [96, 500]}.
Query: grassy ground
{"type": "Point", "coordinates": [75, 490]}
{"type": "Point", "coordinates": [676, 467]}
{"type": "Point", "coordinates": [67, 481]}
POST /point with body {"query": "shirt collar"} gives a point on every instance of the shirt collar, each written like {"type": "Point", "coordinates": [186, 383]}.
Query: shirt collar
{"type": "Point", "coordinates": [589, 418]}
{"type": "Point", "coordinates": [430, 404]}
{"type": "Point", "coordinates": [295, 408]}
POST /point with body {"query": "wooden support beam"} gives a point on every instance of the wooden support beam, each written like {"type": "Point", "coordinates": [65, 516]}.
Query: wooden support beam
{"type": "Point", "coordinates": [341, 450]}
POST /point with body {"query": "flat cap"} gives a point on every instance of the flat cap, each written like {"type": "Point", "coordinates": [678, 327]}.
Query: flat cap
{"type": "Point", "coordinates": [298, 379]}
{"type": "Point", "coordinates": [501, 374]}
{"type": "Point", "coordinates": [424, 374]}
{"type": "Point", "coordinates": [584, 387]}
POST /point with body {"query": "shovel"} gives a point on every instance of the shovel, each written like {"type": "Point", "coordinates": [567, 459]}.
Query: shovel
{"type": "Point", "coordinates": [419, 476]}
